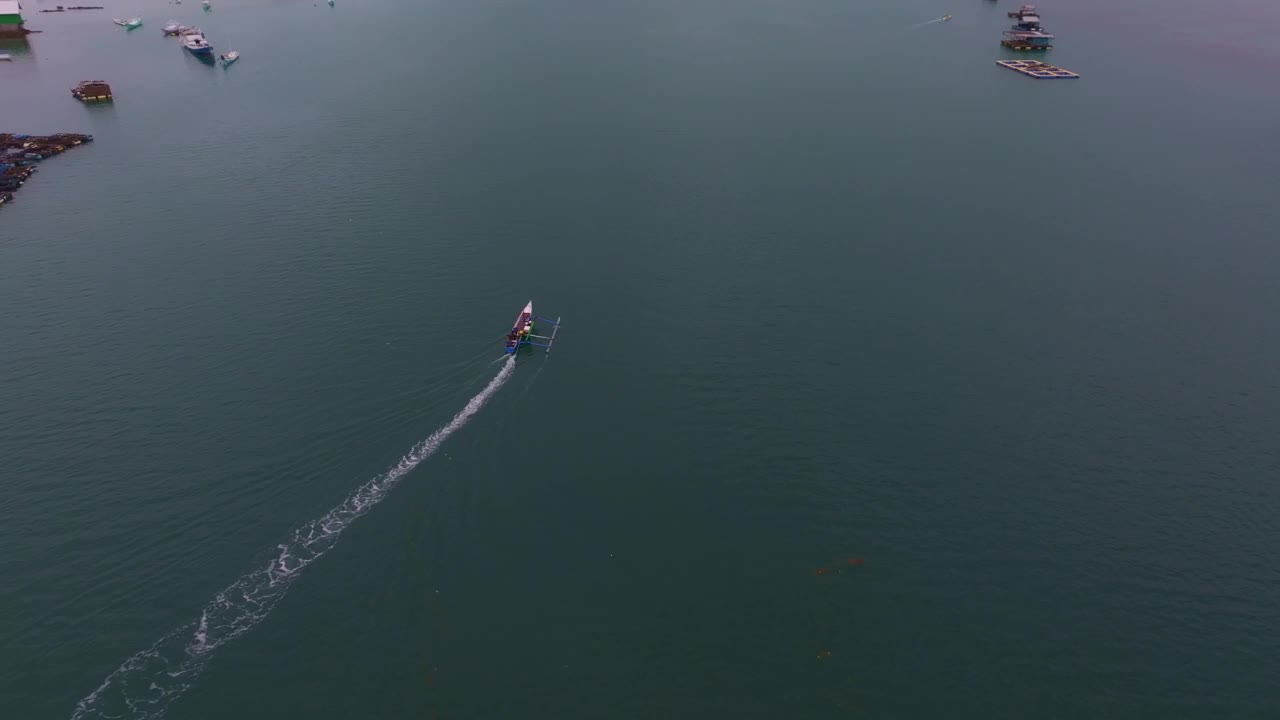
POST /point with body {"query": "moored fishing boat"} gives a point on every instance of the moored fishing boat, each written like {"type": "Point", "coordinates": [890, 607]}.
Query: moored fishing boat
{"type": "Point", "coordinates": [229, 57]}
{"type": "Point", "coordinates": [171, 28]}
{"type": "Point", "coordinates": [193, 40]}
{"type": "Point", "coordinates": [1027, 22]}
{"type": "Point", "coordinates": [1024, 10]}
{"type": "Point", "coordinates": [1027, 33]}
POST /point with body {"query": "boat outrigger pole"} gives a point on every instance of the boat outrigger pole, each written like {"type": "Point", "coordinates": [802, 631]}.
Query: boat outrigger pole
{"type": "Point", "coordinates": [555, 328]}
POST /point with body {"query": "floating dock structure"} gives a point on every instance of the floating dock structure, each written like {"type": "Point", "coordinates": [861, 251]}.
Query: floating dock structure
{"type": "Point", "coordinates": [20, 153]}
{"type": "Point", "coordinates": [1017, 40]}
{"type": "Point", "coordinates": [92, 91]}
{"type": "Point", "coordinates": [1038, 70]}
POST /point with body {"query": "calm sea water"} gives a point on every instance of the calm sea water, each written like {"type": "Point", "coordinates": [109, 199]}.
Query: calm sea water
{"type": "Point", "coordinates": [892, 384]}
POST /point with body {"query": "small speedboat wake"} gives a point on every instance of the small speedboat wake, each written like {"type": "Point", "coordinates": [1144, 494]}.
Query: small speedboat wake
{"type": "Point", "coordinates": [944, 18]}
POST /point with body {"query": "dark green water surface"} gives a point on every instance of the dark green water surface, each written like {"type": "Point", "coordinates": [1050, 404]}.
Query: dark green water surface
{"type": "Point", "coordinates": [892, 384]}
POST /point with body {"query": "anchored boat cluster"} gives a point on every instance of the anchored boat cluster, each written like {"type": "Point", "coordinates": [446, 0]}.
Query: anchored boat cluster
{"type": "Point", "coordinates": [20, 153]}
{"type": "Point", "coordinates": [1028, 34]}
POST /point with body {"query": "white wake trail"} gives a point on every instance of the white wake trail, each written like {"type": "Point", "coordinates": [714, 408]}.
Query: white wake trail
{"type": "Point", "coordinates": [927, 22]}
{"type": "Point", "coordinates": [145, 684]}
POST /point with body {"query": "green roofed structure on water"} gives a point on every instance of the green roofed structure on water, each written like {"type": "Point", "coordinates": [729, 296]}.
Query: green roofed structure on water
{"type": "Point", "coordinates": [11, 19]}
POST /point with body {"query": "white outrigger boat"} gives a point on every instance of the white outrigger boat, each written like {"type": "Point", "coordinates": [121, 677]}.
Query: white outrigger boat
{"type": "Point", "coordinates": [229, 57]}
{"type": "Point", "coordinates": [129, 24]}
{"type": "Point", "coordinates": [522, 332]}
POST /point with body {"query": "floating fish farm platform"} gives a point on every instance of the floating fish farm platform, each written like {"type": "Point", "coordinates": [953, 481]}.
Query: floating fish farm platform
{"type": "Point", "coordinates": [1019, 45]}
{"type": "Point", "coordinates": [20, 153]}
{"type": "Point", "coordinates": [92, 91]}
{"type": "Point", "coordinates": [1038, 70]}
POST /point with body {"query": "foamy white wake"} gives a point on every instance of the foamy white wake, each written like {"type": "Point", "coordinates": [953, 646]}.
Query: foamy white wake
{"type": "Point", "coordinates": [144, 685]}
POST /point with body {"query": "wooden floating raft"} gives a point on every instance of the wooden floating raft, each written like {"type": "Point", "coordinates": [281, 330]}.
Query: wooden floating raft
{"type": "Point", "coordinates": [1038, 70]}
{"type": "Point", "coordinates": [92, 91]}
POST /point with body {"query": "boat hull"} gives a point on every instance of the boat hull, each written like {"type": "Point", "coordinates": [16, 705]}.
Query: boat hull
{"type": "Point", "coordinates": [521, 330]}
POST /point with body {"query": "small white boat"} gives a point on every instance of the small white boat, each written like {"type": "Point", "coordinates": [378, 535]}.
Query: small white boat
{"type": "Point", "coordinates": [229, 57]}
{"type": "Point", "coordinates": [5, 56]}
{"type": "Point", "coordinates": [129, 24]}
{"type": "Point", "coordinates": [172, 28]}
{"type": "Point", "coordinates": [206, 5]}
